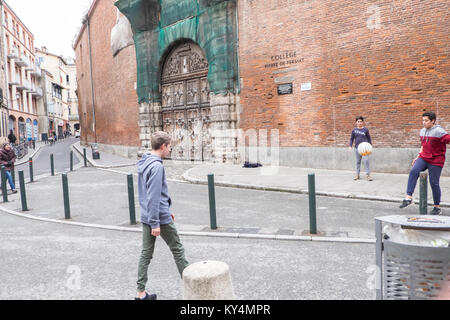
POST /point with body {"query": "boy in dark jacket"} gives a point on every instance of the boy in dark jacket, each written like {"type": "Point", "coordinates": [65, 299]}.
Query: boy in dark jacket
{"type": "Point", "coordinates": [431, 157]}
{"type": "Point", "coordinates": [155, 205]}
{"type": "Point", "coordinates": [7, 158]}
{"type": "Point", "coordinates": [360, 134]}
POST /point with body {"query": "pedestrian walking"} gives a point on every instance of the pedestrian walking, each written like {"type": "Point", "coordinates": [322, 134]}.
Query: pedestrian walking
{"type": "Point", "coordinates": [431, 157]}
{"type": "Point", "coordinates": [7, 158]}
{"type": "Point", "coordinates": [360, 134]}
{"type": "Point", "coordinates": [156, 217]}
{"type": "Point", "coordinates": [11, 137]}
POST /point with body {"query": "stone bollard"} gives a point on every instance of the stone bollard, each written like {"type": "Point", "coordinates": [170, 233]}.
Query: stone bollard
{"type": "Point", "coordinates": [207, 280]}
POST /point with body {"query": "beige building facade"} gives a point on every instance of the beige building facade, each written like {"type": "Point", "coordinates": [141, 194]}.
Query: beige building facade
{"type": "Point", "coordinates": [56, 84]}
{"type": "Point", "coordinates": [22, 74]}
{"type": "Point", "coordinates": [72, 99]}
{"type": "Point", "coordinates": [3, 86]}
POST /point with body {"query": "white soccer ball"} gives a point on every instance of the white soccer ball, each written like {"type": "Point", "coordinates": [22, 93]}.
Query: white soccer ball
{"type": "Point", "coordinates": [365, 149]}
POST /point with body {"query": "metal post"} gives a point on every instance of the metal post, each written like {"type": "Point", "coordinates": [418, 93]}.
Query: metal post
{"type": "Point", "coordinates": [30, 160]}
{"type": "Point", "coordinates": [131, 199]}
{"type": "Point", "coordinates": [23, 195]}
{"type": "Point", "coordinates": [379, 259]}
{"type": "Point", "coordinates": [66, 196]}
{"type": "Point", "coordinates": [4, 190]}
{"type": "Point", "coordinates": [423, 201]}
{"type": "Point", "coordinates": [312, 203]}
{"type": "Point", "coordinates": [71, 160]}
{"type": "Point", "coordinates": [212, 202]}
{"type": "Point", "coordinates": [85, 157]}
{"type": "Point", "coordinates": [52, 164]}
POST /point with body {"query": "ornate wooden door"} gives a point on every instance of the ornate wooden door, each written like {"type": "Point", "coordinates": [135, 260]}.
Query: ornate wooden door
{"type": "Point", "coordinates": [185, 103]}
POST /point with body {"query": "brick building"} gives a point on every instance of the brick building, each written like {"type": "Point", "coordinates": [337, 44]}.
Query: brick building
{"type": "Point", "coordinates": [233, 80]}
{"type": "Point", "coordinates": [107, 103]}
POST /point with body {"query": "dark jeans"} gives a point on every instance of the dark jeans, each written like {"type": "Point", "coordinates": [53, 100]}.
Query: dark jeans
{"type": "Point", "coordinates": [434, 173]}
{"type": "Point", "coordinates": [10, 179]}
{"type": "Point", "coordinates": [170, 236]}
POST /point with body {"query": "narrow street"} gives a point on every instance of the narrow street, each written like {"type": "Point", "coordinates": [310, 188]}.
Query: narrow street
{"type": "Point", "coordinates": [41, 162]}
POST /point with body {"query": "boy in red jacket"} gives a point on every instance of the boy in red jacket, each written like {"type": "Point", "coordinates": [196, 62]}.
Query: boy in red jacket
{"type": "Point", "coordinates": [431, 157]}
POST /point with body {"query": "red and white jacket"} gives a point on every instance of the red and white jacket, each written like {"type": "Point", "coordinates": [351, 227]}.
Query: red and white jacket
{"type": "Point", "coordinates": [434, 142]}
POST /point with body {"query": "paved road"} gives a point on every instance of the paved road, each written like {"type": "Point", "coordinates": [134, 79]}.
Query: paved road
{"type": "Point", "coordinates": [50, 261]}
{"type": "Point", "coordinates": [41, 162]}
{"type": "Point", "coordinates": [100, 196]}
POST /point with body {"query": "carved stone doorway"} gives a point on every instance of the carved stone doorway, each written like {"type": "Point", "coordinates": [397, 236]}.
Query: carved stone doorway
{"type": "Point", "coordinates": [186, 103]}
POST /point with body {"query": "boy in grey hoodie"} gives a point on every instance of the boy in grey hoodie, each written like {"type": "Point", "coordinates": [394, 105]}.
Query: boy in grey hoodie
{"type": "Point", "coordinates": [155, 205]}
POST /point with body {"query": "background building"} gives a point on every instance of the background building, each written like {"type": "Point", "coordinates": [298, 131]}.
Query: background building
{"type": "Point", "coordinates": [57, 87]}
{"type": "Point", "coordinates": [230, 79]}
{"type": "Point", "coordinates": [72, 99]}
{"type": "Point", "coordinates": [3, 84]}
{"type": "Point", "coordinates": [22, 76]}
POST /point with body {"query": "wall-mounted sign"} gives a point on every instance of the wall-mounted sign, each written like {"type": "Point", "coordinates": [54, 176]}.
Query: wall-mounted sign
{"type": "Point", "coordinates": [306, 86]}
{"type": "Point", "coordinates": [284, 79]}
{"type": "Point", "coordinates": [285, 88]}
{"type": "Point", "coordinates": [284, 59]}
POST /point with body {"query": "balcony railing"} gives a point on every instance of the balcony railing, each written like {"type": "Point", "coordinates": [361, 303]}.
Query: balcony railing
{"type": "Point", "coordinates": [14, 53]}
{"type": "Point", "coordinates": [23, 61]}
{"type": "Point", "coordinates": [36, 71]}
{"type": "Point", "coordinates": [15, 80]}
{"type": "Point", "coordinates": [25, 85]}
{"type": "Point", "coordinates": [74, 117]}
{"type": "Point", "coordinates": [37, 92]}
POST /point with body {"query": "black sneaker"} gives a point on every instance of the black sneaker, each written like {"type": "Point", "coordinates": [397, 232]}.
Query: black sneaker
{"type": "Point", "coordinates": [405, 203]}
{"type": "Point", "coordinates": [436, 211]}
{"type": "Point", "coordinates": [14, 191]}
{"type": "Point", "coordinates": [147, 297]}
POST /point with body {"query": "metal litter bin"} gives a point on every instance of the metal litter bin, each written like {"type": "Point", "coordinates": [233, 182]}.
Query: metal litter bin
{"type": "Point", "coordinates": [95, 152]}
{"type": "Point", "coordinates": [413, 264]}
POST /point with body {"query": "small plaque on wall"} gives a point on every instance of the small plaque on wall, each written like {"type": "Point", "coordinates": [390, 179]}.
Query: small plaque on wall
{"type": "Point", "coordinates": [285, 88]}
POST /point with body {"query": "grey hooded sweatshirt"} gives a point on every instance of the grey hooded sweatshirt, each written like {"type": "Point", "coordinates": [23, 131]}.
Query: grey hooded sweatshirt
{"type": "Point", "coordinates": [154, 197]}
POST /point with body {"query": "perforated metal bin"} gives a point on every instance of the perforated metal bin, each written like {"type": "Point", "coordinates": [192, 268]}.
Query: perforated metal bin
{"type": "Point", "coordinates": [411, 271]}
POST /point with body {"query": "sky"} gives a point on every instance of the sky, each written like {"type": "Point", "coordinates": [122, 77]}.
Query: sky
{"type": "Point", "coordinates": [54, 23]}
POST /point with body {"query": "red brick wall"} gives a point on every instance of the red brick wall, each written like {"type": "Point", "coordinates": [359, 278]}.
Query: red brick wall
{"type": "Point", "coordinates": [116, 103]}
{"type": "Point", "coordinates": [385, 60]}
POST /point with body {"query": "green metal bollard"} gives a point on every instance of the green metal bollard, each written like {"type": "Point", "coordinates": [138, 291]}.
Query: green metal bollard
{"type": "Point", "coordinates": [212, 202]}
{"type": "Point", "coordinates": [131, 199]}
{"type": "Point", "coordinates": [52, 164]}
{"type": "Point", "coordinates": [30, 161]}
{"type": "Point", "coordinates": [66, 196]}
{"type": "Point", "coordinates": [423, 200]}
{"type": "Point", "coordinates": [85, 157]}
{"type": "Point", "coordinates": [4, 189]}
{"type": "Point", "coordinates": [312, 204]}
{"type": "Point", "coordinates": [71, 160]}
{"type": "Point", "coordinates": [23, 195]}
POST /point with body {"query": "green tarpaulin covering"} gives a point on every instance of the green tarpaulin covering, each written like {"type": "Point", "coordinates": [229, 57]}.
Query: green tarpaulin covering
{"type": "Point", "coordinates": [159, 25]}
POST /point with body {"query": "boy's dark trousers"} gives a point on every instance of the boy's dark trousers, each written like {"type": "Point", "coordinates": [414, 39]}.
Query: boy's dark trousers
{"type": "Point", "coordinates": [170, 236]}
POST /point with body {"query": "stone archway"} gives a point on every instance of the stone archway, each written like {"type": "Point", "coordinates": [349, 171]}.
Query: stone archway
{"type": "Point", "coordinates": [158, 27]}
{"type": "Point", "coordinates": [185, 102]}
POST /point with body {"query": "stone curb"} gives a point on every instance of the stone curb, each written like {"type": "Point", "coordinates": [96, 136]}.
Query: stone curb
{"type": "Point", "coordinates": [190, 179]}
{"type": "Point", "coordinates": [24, 161]}
{"type": "Point", "coordinates": [95, 164]}
{"type": "Point", "coordinates": [195, 233]}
